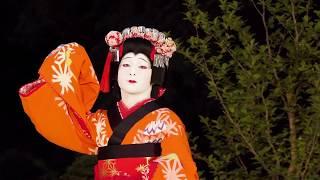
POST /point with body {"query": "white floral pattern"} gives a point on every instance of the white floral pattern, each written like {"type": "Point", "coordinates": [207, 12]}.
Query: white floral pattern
{"type": "Point", "coordinates": [61, 67]}
{"type": "Point", "coordinates": [62, 104]}
{"type": "Point", "coordinates": [171, 167]}
{"type": "Point", "coordinates": [110, 168]}
{"type": "Point", "coordinates": [100, 123]}
{"type": "Point", "coordinates": [144, 169]}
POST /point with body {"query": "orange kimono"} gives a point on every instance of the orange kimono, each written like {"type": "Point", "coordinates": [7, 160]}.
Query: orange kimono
{"type": "Point", "coordinates": [151, 143]}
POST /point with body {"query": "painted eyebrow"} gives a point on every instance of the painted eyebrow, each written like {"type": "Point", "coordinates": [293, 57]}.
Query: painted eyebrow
{"type": "Point", "coordinates": [144, 59]}
{"type": "Point", "coordinates": [127, 57]}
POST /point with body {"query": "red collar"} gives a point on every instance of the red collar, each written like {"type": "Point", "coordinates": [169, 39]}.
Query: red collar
{"type": "Point", "coordinates": [125, 111]}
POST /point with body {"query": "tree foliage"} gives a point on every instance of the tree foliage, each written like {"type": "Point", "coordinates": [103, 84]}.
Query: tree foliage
{"type": "Point", "coordinates": [265, 76]}
{"type": "Point", "coordinates": [82, 168]}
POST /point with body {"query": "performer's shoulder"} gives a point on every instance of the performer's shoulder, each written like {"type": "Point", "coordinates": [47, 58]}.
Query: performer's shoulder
{"type": "Point", "coordinates": [173, 115]}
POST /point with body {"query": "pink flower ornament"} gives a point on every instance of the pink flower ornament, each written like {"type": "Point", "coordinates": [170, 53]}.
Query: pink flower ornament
{"type": "Point", "coordinates": [113, 38]}
{"type": "Point", "coordinates": [167, 48]}
{"type": "Point", "coordinates": [134, 32]}
{"type": "Point", "coordinates": [148, 34]}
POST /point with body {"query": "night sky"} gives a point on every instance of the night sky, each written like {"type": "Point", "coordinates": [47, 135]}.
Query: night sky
{"type": "Point", "coordinates": [31, 29]}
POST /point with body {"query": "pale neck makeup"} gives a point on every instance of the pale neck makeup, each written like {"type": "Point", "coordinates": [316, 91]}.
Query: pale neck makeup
{"type": "Point", "coordinates": [134, 78]}
{"type": "Point", "coordinates": [131, 100]}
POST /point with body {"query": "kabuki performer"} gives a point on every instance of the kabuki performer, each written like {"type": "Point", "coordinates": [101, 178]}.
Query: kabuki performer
{"type": "Point", "coordinates": [135, 138]}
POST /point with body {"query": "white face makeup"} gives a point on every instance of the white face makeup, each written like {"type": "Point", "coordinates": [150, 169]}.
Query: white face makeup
{"type": "Point", "coordinates": [134, 74]}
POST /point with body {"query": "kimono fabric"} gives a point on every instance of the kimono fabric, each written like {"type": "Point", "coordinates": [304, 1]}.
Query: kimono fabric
{"type": "Point", "coordinates": [142, 142]}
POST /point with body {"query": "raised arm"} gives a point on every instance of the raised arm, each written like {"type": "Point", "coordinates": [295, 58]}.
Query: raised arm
{"type": "Point", "coordinates": [58, 102]}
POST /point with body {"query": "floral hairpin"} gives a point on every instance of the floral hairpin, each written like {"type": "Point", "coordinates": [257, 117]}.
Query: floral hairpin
{"type": "Point", "coordinates": [164, 46]}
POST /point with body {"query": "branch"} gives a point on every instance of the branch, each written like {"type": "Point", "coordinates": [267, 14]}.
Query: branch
{"type": "Point", "coordinates": [293, 134]}
{"type": "Point", "coordinates": [263, 16]}
{"type": "Point", "coordinates": [268, 130]}
{"type": "Point", "coordinates": [285, 27]}
{"type": "Point", "coordinates": [257, 9]}
{"type": "Point", "coordinates": [242, 164]}
{"type": "Point", "coordinates": [279, 49]}
{"type": "Point", "coordinates": [296, 39]}
{"type": "Point", "coordinates": [308, 8]}
{"type": "Point", "coordinates": [306, 165]}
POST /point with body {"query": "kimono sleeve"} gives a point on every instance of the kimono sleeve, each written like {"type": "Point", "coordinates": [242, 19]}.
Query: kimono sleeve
{"type": "Point", "coordinates": [176, 160]}
{"type": "Point", "coordinates": [58, 102]}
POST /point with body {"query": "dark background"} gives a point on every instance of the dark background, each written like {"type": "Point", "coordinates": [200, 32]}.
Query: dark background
{"type": "Point", "coordinates": [31, 29]}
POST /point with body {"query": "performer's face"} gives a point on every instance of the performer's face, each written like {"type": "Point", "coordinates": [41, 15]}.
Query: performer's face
{"type": "Point", "coordinates": [134, 75]}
